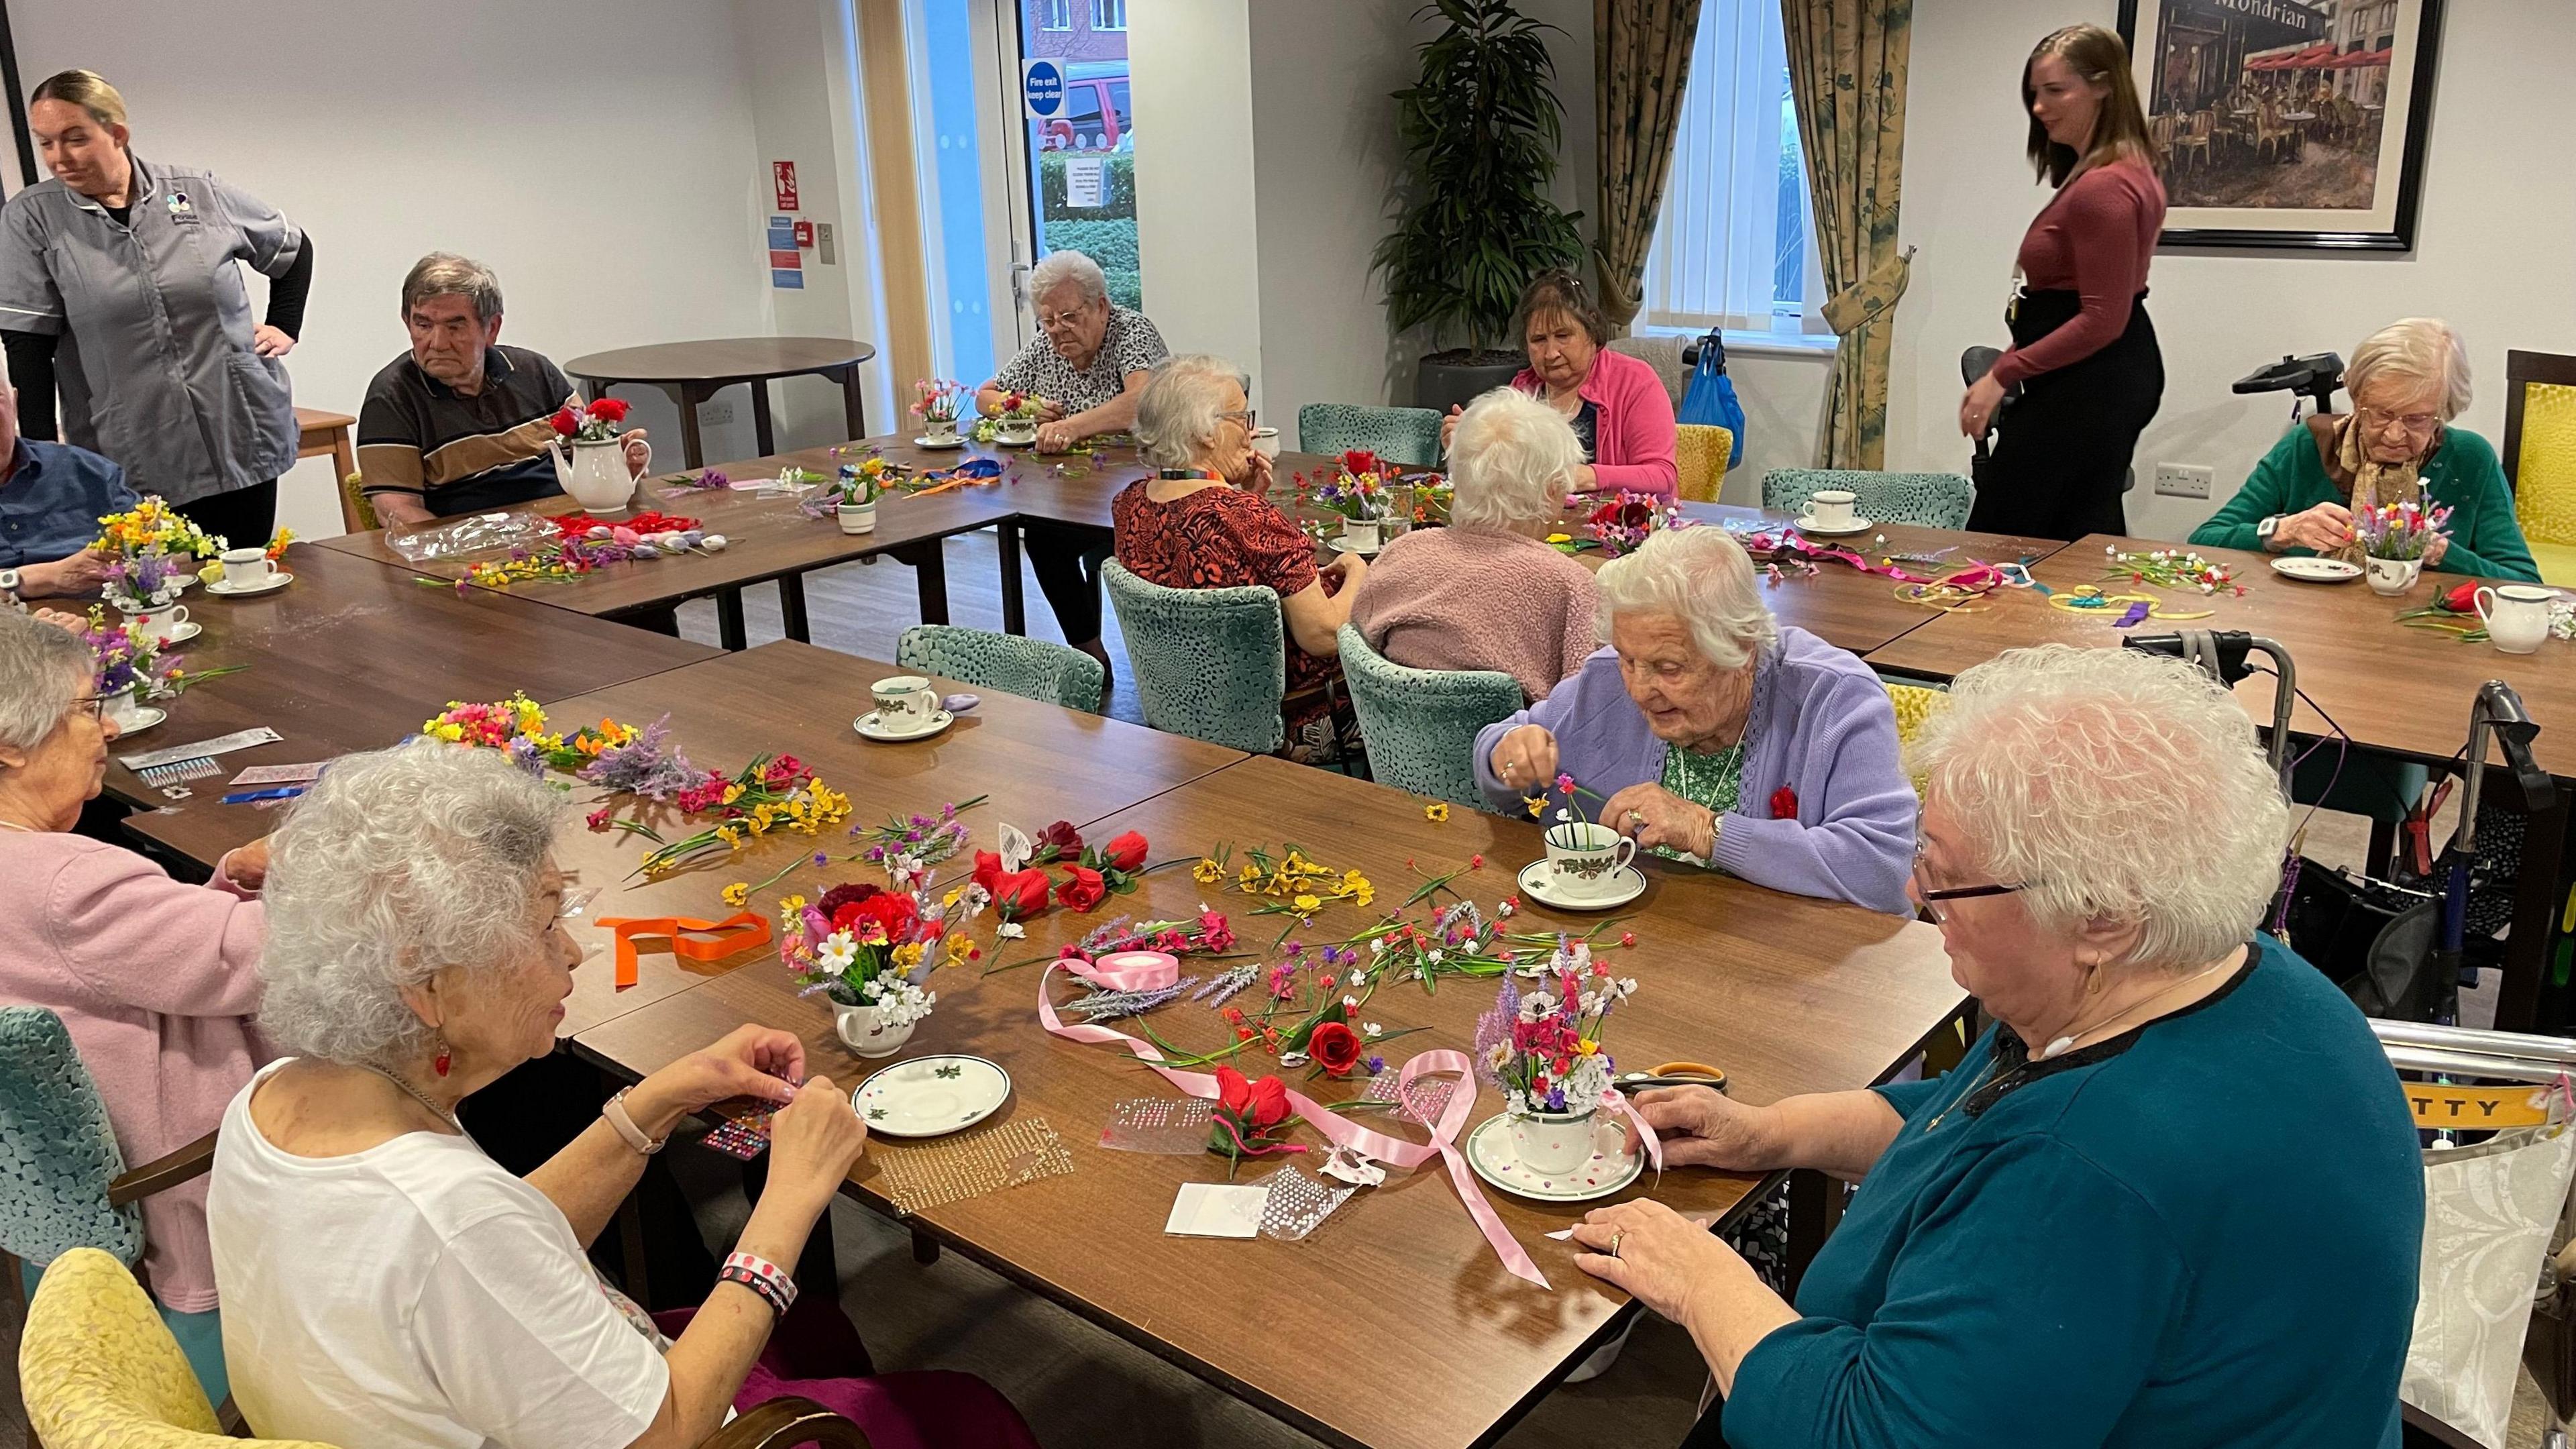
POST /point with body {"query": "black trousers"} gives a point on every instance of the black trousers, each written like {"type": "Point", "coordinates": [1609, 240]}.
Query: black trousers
{"type": "Point", "coordinates": [2063, 448]}
{"type": "Point", "coordinates": [245, 517]}
{"type": "Point", "coordinates": [1067, 558]}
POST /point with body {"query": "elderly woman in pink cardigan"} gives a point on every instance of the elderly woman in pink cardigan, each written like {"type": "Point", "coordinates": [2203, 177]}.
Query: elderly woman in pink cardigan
{"type": "Point", "coordinates": [1616, 404]}
{"type": "Point", "coordinates": [156, 981]}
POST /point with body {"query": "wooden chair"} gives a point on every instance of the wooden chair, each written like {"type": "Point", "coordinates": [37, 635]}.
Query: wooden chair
{"type": "Point", "coordinates": [2540, 457]}
{"type": "Point", "coordinates": [321, 434]}
{"type": "Point", "coordinates": [1701, 456]}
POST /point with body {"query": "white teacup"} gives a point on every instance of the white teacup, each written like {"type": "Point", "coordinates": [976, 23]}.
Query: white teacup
{"type": "Point", "coordinates": [1833, 508]}
{"type": "Point", "coordinates": [1361, 534]}
{"type": "Point", "coordinates": [1584, 859]}
{"type": "Point", "coordinates": [905, 702]}
{"type": "Point", "coordinates": [123, 709]}
{"type": "Point", "coordinates": [2517, 616]}
{"type": "Point", "coordinates": [1265, 441]}
{"type": "Point", "coordinates": [1021, 433]}
{"type": "Point", "coordinates": [1553, 1144]}
{"type": "Point", "coordinates": [939, 429]}
{"type": "Point", "coordinates": [159, 623]}
{"type": "Point", "coordinates": [247, 568]}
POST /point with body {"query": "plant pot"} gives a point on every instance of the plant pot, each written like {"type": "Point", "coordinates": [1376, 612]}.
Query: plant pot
{"type": "Point", "coordinates": [862, 1030]}
{"type": "Point", "coordinates": [857, 517]}
{"type": "Point", "coordinates": [1552, 1144]}
{"type": "Point", "coordinates": [1458, 377]}
{"type": "Point", "coordinates": [2393, 575]}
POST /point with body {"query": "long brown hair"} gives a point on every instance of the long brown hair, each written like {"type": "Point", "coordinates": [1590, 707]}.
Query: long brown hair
{"type": "Point", "coordinates": [2119, 129]}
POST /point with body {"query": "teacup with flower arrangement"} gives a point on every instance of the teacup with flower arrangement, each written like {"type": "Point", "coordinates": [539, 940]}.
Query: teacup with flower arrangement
{"type": "Point", "coordinates": [1543, 1049]}
{"type": "Point", "coordinates": [1016, 425]}
{"type": "Point", "coordinates": [152, 555]}
{"type": "Point", "coordinates": [870, 951]}
{"type": "Point", "coordinates": [130, 669]}
{"type": "Point", "coordinates": [936, 401]}
{"type": "Point", "coordinates": [1358, 494]}
{"type": "Point", "coordinates": [2394, 539]}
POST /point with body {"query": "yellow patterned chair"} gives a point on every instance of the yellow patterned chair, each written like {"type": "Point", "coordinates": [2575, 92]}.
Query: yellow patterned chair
{"type": "Point", "coordinates": [1914, 704]}
{"type": "Point", "coordinates": [2540, 457]}
{"type": "Point", "coordinates": [1702, 452]}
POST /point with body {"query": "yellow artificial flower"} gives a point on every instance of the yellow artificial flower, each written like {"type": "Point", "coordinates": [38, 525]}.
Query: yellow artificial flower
{"type": "Point", "coordinates": [1250, 880]}
{"type": "Point", "coordinates": [1537, 805]}
{"type": "Point", "coordinates": [1207, 871]}
{"type": "Point", "coordinates": [1309, 903]}
{"type": "Point", "coordinates": [729, 834]}
{"type": "Point", "coordinates": [731, 794]}
{"type": "Point", "coordinates": [791, 915]}
{"type": "Point", "coordinates": [737, 894]}
{"type": "Point", "coordinates": [1436, 810]}
{"type": "Point", "coordinates": [961, 947]}
{"type": "Point", "coordinates": [907, 955]}
{"type": "Point", "coordinates": [1586, 1047]}
{"type": "Point", "coordinates": [448, 732]}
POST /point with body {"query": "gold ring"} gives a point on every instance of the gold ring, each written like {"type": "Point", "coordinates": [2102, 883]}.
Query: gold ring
{"type": "Point", "coordinates": [1636, 817]}
{"type": "Point", "coordinates": [1614, 1241]}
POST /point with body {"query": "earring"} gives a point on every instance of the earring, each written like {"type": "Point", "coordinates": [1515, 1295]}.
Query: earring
{"type": "Point", "coordinates": [444, 1060]}
{"type": "Point", "coordinates": [2093, 979]}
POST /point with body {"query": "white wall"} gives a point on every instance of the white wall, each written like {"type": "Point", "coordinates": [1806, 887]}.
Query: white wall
{"type": "Point", "coordinates": [599, 154]}
{"type": "Point", "coordinates": [2492, 253]}
{"type": "Point", "coordinates": [1198, 236]}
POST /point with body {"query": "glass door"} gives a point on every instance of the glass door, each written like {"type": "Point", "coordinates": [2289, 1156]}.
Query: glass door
{"type": "Point", "coordinates": [1083, 187]}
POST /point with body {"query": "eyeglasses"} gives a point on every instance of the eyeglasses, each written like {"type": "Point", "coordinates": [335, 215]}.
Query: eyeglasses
{"type": "Point", "coordinates": [2377, 421]}
{"type": "Point", "coordinates": [93, 705]}
{"type": "Point", "coordinates": [1933, 898]}
{"type": "Point", "coordinates": [1051, 321]}
{"type": "Point", "coordinates": [1239, 415]}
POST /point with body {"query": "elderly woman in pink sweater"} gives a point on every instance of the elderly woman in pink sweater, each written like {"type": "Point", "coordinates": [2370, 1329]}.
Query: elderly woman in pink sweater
{"type": "Point", "coordinates": [1487, 592]}
{"type": "Point", "coordinates": [156, 981]}
{"type": "Point", "coordinates": [1616, 404]}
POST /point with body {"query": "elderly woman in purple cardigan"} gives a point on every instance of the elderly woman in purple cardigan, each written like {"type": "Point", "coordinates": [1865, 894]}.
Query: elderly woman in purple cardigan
{"type": "Point", "coordinates": [1719, 737]}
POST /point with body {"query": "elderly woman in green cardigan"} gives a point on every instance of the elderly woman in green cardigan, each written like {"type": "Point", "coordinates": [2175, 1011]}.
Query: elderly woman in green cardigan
{"type": "Point", "coordinates": [2408, 380]}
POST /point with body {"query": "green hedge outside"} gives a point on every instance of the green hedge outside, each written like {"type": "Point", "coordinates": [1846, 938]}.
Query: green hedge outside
{"type": "Point", "coordinates": [1121, 178]}
{"type": "Point", "coordinates": [1110, 243]}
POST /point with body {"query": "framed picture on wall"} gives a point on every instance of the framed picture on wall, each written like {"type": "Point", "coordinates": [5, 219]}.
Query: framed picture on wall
{"type": "Point", "coordinates": [2287, 123]}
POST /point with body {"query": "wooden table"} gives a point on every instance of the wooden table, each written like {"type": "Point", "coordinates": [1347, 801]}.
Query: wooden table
{"type": "Point", "coordinates": [353, 656]}
{"type": "Point", "coordinates": [692, 372]}
{"type": "Point", "coordinates": [766, 539]}
{"type": "Point", "coordinates": [320, 434]}
{"type": "Point", "coordinates": [2393, 689]}
{"type": "Point", "coordinates": [1395, 1325]}
{"type": "Point", "coordinates": [1037, 762]}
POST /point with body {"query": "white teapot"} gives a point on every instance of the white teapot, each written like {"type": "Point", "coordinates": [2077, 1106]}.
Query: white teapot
{"type": "Point", "coordinates": [595, 473]}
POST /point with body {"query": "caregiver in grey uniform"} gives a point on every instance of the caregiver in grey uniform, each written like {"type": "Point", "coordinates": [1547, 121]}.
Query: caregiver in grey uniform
{"type": "Point", "coordinates": [118, 285]}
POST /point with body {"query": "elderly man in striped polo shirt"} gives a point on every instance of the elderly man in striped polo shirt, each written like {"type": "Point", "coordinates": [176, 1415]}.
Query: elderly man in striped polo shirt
{"type": "Point", "coordinates": [459, 423]}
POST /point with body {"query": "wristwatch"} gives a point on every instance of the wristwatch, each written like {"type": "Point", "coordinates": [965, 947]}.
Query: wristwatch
{"type": "Point", "coordinates": [624, 1125]}
{"type": "Point", "coordinates": [2263, 531]}
{"type": "Point", "coordinates": [9, 588]}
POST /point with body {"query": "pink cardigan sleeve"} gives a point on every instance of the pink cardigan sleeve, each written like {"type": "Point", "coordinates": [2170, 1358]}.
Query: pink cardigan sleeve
{"type": "Point", "coordinates": [133, 935]}
{"type": "Point", "coordinates": [1633, 445]}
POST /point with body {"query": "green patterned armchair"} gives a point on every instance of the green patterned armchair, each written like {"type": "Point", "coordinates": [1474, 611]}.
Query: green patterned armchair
{"type": "Point", "coordinates": [1931, 500]}
{"type": "Point", "coordinates": [1208, 663]}
{"type": "Point", "coordinates": [1421, 724]}
{"type": "Point", "coordinates": [1402, 435]}
{"type": "Point", "coordinates": [1037, 669]}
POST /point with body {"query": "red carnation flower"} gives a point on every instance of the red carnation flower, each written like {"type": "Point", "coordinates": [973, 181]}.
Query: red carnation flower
{"type": "Point", "coordinates": [607, 410]}
{"type": "Point", "coordinates": [564, 422]}
{"type": "Point", "coordinates": [844, 895]}
{"type": "Point", "coordinates": [1261, 1104]}
{"type": "Point", "coordinates": [1784, 804]}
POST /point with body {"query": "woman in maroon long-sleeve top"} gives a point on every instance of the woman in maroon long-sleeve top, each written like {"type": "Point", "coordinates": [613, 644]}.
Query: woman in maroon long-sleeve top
{"type": "Point", "coordinates": [2084, 353]}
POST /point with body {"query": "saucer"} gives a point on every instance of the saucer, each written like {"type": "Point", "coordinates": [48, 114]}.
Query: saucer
{"type": "Point", "coordinates": [931, 1096]}
{"type": "Point", "coordinates": [868, 725]}
{"type": "Point", "coordinates": [188, 629]}
{"type": "Point", "coordinates": [144, 719]}
{"type": "Point", "coordinates": [953, 440]}
{"type": "Point", "coordinates": [1631, 883]}
{"type": "Point", "coordinates": [1339, 544]}
{"type": "Point", "coordinates": [1857, 525]}
{"type": "Point", "coordinates": [2317, 570]}
{"type": "Point", "coordinates": [1008, 441]}
{"type": "Point", "coordinates": [1489, 1152]}
{"type": "Point", "coordinates": [230, 589]}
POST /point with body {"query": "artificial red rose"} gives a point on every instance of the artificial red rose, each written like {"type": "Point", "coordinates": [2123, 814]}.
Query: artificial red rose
{"type": "Point", "coordinates": [1083, 890]}
{"type": "Point", "coordinates": [1021, 894]}
{"type": "Point", "coordinates": [893, 912]}
{"type": "Point", "coordinates": [1358, 461]}
{"type": "Point", "coordinates": [1262, 1104]}
{"type": "Point", "coordinates": [1059, 841]}
{"type": "Point", "coordinates": [1126, 853]}
{"type": "Point", "coordinates": [607, 410]}
{"type": "Point", "coordinates": [988, 872]}
{"type": "Point", "coordinates": [1335, 1047]}
{"type": "Point", "coordinates": [564, 422]}
{"type": "Point", "coordinates": [2462, 599]}
{"type": "Point", "coordinates": [1784, 804]}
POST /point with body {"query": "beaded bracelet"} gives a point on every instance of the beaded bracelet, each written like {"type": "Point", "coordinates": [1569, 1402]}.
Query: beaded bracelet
{"type": "Point", "coordinates": [763, 1277]}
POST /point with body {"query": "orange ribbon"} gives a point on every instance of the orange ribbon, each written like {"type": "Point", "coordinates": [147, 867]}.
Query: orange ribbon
{"type": "Point", "coordinates": [740, 932]}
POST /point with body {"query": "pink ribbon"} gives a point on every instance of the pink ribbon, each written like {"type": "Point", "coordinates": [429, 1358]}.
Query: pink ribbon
{"type": "Point", "coordinates": [1127, 970]}
{"type": "Point", "coordinates": [1343, 1132]}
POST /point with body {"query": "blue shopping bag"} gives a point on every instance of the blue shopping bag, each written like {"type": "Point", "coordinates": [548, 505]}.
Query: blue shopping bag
{"type": "Point", "coordinates": [1710, 399]}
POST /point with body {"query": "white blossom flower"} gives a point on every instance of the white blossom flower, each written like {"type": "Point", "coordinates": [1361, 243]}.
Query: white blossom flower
{"type": "Point", "coordinates": [1010, 931]}
{"type": "Point", "coordinates": [1435, 956]}
{"type": "Point", "coordinates": [838, 950]}
{"type": "Point", "coordinates": [1373, 1029]}
{"type": "Point", "coordinates": [1351, 1003]}
{"type": "Point", "coordinates": [1537, 1006]}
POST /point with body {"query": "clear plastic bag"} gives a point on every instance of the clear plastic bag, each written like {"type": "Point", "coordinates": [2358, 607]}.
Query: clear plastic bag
{"type": "Point", "coordinates": [465, 537]}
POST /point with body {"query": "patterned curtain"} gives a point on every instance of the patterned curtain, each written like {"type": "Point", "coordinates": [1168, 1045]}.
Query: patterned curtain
{"type": "Point", "coordinates": [1641, 55]}
{"type": "Point", "coordinates": [1847, 71]}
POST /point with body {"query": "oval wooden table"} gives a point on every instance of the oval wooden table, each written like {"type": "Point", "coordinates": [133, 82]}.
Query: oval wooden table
{"type": "Point", "coordinates": [692, 372]}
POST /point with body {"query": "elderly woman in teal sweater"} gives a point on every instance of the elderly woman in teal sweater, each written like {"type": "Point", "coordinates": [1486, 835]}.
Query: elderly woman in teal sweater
{"type": "Point", "coordinates": [2408, 380]}
{"type": "Point", "coordinates": [2065, 1241]}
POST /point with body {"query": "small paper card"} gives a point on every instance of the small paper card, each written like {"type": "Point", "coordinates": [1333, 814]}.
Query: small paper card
{"type": "Point", "coordinates": [278, 775]}
{"type": "Point", "coordinates": [220, 745]}
{"type": "Point", "coordinates": [1217, 1210]}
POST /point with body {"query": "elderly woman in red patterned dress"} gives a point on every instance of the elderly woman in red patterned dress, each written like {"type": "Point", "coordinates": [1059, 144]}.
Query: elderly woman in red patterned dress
{"type": "Point", "coordinates": [1203, 522]}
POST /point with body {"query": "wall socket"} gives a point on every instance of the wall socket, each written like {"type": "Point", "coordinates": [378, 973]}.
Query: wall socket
{"type": "Point", "coordinates": [720, 415]}
{"type": "Point", "coordinates": [2182, 480]}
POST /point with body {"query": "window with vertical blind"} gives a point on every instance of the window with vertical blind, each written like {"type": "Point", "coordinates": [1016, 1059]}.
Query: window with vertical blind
{"type": "Point", "coordinates": [1056, 15]}
{"type": "Point", "coordinates": [1731, 244]}
{"type": "Point", "coordinates": [1108, 14]}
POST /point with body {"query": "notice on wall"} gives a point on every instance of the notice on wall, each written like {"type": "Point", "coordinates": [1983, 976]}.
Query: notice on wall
{"type": "Point", "coordinates": [1086, 181]}
{"type": "Point", "coordinates": [786, 263]}
{"type": "Point", "coordinates": [1042, 88]}
{"type": "Point", "coordinates": [782, 175]}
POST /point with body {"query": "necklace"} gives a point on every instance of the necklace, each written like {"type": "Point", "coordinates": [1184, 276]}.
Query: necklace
{"type": "Point", "coordinates": [417, 1095]}
{"type": "Point", "coordinates": [21, 829]}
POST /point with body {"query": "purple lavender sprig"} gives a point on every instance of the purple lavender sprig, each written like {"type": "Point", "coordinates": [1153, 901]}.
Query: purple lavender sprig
{"type": "Point", "coordinates": [1493, 1029]}
{"type": "Point", "coordinates": [649, 765]}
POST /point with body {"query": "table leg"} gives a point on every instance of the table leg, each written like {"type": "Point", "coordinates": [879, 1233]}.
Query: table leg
{"type": "Point", "coordinates": [854, 404]}
{"type": "Point", "coordinates": [925, 1248]}
{"type": "Point", "coordinates": [592, 389]}
{"type": "Point", "coordinates": [929, 560]}
{"type": "Point", "coordinates": [2537, 899]}
{"type": "Point", "coordinates": [729, 630]}
{"type": "Point", "coordinates": [1015, 610]}
{"type": "Point", "coordinates": [761, 430]}
{"type": "Point", "coordinates": [693, 448]}
{"type": "Point", "coordinates": [791, 608]}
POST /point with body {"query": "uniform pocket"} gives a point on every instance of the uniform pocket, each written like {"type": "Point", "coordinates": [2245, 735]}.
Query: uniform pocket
{"type": "Point", "coordinates": [260, 423]}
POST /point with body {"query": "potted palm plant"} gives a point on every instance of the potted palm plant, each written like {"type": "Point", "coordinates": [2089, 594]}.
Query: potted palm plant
{"type": "Point", "coordinates": [1480, 127]}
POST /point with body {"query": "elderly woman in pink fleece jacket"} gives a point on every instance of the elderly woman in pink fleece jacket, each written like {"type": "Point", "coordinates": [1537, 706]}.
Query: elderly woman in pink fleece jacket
{"type": "Point", "coordinates": [1616, 404]}
{"type": "Point", "coordinates": [156, 981]}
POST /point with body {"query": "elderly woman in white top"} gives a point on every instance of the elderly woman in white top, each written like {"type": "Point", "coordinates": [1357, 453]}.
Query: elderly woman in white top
{"type": "Point", "coordinates": [385, 1283]}
{"type": "Point", "coordinates": [1710, 733]}
{"type": "Point", "coordinates": [2055, 1243]}
{"type": "Point", "coordinates": [1487, 592]}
